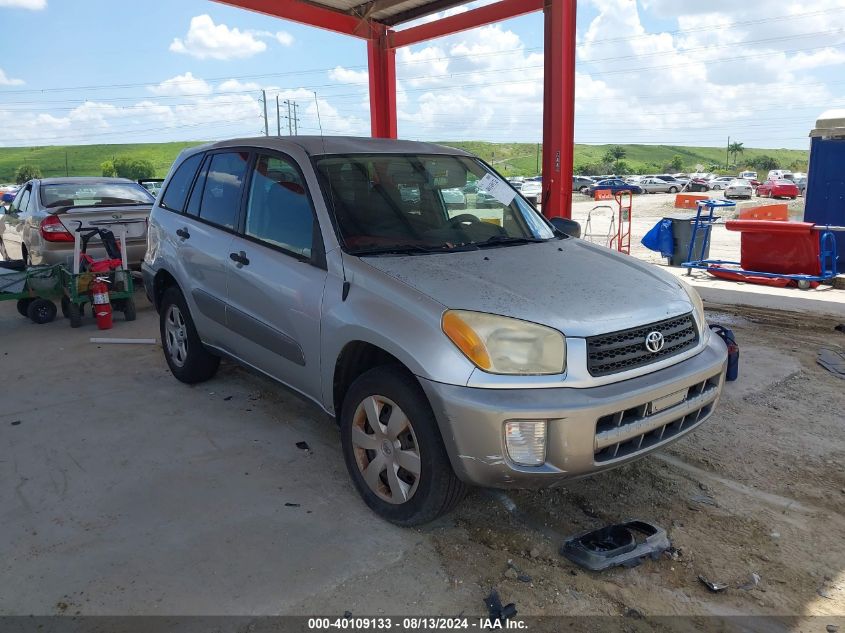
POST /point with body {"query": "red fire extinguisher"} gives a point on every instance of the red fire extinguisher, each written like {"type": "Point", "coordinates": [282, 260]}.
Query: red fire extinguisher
{"type": "Point", "coordinates": [102, 305]}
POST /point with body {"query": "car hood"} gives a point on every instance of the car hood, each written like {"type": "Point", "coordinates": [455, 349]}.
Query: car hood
{"type": "Point", "coordinates": [571, 285]}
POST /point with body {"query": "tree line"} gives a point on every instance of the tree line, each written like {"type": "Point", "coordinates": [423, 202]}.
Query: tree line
{"type": "Point", "coordinates": [122, 167]}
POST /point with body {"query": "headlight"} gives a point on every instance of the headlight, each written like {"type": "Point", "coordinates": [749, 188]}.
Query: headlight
{"type": "Point", "coordinates": [698, 308]}
{"type": "Point", "coordinates": [501, 345]}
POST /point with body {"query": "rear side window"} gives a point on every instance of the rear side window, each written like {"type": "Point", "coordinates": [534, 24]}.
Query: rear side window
{"type": "Point", "coordinates": [279, 211]}
{"type": "Point", "coordinates": [221, 195]}
{"type": "Point", "coordinates": [177, 191]}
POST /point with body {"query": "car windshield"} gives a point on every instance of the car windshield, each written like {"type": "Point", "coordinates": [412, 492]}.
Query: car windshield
{"type": "Point", "coordinates": [94, 194]}
{"type": "Point", "coordinates": [390, 203]}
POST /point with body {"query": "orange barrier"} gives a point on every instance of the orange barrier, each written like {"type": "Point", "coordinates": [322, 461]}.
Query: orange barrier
{"type": "Point", "coordinates": [689, 200]}
{"type": "Point", "coordinates": [776, 212]}
{"type": "Point", "coordinates": [603, 194]}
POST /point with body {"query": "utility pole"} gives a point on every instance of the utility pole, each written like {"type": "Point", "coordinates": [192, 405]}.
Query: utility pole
{"type": "Point", "coordinates": [266, 122]}
{"type": "Point", "coordinates": [295, 120]}
{"type": "Point", "coordinates": [727, 154]}
{"type": "Point", "coordinates": [290, 132]}
{"type": "Point", "coordinates": [278, 118]}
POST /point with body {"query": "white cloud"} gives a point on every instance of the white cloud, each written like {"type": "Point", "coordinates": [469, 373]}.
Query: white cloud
{"type": "Point", "coordinates": [9, 81]}
{"type": "Point", "coordinates": [233, 85]}
{"type": "Point", "coordinates": [284, 38]}
{"type": "Point", "coordinates": [347, 76]}
{"type": "Point", "coordinates": [207, 40]}
{"type": "Point", "coordinates": [32, 5]}
{"type": "Point", "coordinates": [179, 85]}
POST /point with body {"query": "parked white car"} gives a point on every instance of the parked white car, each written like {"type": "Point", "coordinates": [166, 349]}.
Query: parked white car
{"type": "Point", "coordinates": [656, 185]}
{"type": "Point", "coordinates": [739, 188]}
{"type": "Point", "coordinates": [532, 190]}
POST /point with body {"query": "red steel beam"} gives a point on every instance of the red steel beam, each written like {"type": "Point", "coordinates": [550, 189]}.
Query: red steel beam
{"type": "Point", "coordinates": [381, 61]}
{"type": "Point", "coordinates": [558, 107]}
{"type": "Point", "coordinates": [464, 21]}
{"type": "Point", "coordinates": [309, 14]}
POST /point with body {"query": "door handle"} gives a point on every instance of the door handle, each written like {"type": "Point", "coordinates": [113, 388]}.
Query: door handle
{"type": "Point", "coordinates": [183, 233]}
{"type": "Point", "coordinates": [240, 258]}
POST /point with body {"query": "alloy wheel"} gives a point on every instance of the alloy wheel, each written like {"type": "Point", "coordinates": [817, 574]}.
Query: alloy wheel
{"type": "Point", "coordinates": [386, 449]}
{"type": "Point", "coordinates": [177, 336]}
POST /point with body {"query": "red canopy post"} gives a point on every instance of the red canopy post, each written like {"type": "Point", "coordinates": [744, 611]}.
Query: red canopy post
{"type": "Point", "coordinates": [381, 61]}
{"type": "Point", "coordinates": [558, 107]}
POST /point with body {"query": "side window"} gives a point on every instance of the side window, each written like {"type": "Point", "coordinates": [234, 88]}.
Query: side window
{"type": "Point", "coordinates": [279, 211]}
{"type": "Point", "coordinates": [177, 190]}
{"type": "Point", "coordinates": [221, 194]}
{"type": "Point", "coordinates": [22, 200]}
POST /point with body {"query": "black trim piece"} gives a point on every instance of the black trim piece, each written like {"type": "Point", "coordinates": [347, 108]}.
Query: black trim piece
{"type": "Point", "coordinates": [212, 307]}
{"type": "Point", "coordinates": [264, 335]}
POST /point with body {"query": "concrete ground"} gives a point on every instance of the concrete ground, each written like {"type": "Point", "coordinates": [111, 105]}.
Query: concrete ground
{"type": "Point", "coordinates": [123, 491]}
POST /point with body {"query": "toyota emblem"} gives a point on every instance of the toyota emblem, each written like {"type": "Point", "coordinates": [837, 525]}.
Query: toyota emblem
{"type": "Point", "coordinates": [654, 342]}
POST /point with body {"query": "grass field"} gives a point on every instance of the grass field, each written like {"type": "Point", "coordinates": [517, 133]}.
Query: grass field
{"type": "Point", "coordinates": [518, 159]}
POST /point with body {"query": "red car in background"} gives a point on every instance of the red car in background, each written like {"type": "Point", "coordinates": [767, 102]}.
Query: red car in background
{"type": "Point", "coordinates": [778, 189]}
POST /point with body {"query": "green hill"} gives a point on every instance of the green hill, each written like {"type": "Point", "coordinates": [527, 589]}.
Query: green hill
{"type": "Point", "coordinates": [512, 159]}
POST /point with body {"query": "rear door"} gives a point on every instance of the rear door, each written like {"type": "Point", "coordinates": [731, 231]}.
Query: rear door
{"type": "Point", "coordinates": [203, 234]}
{"type": "Point", "coordinates": [276, 275]}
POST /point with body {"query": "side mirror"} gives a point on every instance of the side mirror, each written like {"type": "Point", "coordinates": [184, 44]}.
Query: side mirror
{"type": "Point", "coordinates": [568, 227]}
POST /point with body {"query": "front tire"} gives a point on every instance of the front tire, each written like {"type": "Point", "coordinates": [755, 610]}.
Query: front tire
{"type": "Point", "coordinates": [188, 359]}
{"type": "Point", "coordinates": [673, 190]}
{"type": "Point", "coordinates": [41, 311]}
{"type": "Point", "coordinates": [393, 449]}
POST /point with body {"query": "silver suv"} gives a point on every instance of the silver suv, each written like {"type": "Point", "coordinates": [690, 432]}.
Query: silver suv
{"type": "Point", "coordinates": [453, 346]}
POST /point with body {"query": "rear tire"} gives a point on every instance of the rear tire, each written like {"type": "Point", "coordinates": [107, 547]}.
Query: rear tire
{"type": "Point", "coordinates": [389, 397]}
{"type": "Point", "coordinates": [673, 190]}
{"type": "Point", "coordinates": [188, 359]}
{"type": "Point", "coordinates": [41, 311]}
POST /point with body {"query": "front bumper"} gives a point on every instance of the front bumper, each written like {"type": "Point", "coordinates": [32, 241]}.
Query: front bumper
{"type": "Point", "coordinates": [589, 430]}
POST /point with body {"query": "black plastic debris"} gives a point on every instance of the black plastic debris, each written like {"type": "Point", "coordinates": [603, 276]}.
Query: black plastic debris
{"type": "Point", "coordinates": [227, 398]}
{"type": "Point", "coordinates": [840, 328]}
{"type": "Point", "coordinates": [16, 423]}
{"type": "Point", "coordinates": [498, 612]}
{"type": "Point", "coordinates": [292, 505]}
{"type": "Point", "coordinates": [833, 361]}
{"type": "Point", "coordinates": [626, 544]}
{"type": "Point", "coordinates": [303, 445]}
{"type": "Point", "coordinates": [715, 587]}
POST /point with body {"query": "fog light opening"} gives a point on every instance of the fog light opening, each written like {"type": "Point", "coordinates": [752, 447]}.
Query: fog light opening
{"type": "Point", "coordinates": [526, 441]}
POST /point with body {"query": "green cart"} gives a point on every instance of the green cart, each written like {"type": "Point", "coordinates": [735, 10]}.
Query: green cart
{"type": "Point", "coordinates": [76, 292]}
{"type": "Point", "coordinates": [33, 288]}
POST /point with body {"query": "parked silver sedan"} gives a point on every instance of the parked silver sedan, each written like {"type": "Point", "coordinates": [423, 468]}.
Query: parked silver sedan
{"type": "Point", "coordinates": [656, 185]}
{"type": "Point", "coordinates": [739, 188]}
{"type": "Point", "coordinates": [38, 227]}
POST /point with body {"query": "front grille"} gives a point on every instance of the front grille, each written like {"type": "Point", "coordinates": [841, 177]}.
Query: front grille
{"type": "Point", "coordinates": [625, 349]}
{"type": "Point", "coordinates": [637, 429]}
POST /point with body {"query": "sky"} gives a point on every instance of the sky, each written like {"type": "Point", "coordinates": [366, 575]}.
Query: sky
{"type": "Point", "coordinates": [675, 72]}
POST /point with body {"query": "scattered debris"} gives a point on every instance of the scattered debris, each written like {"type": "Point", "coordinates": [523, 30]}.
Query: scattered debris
{"type": "Point", "coordinates": [227, 398]}
{"type": "Point", "coordinates": [534, 553]}
{"type": "Point", "coordinates": [715, 587]}
{"type": "Point", "coordinates": [674, 553]}
{"type": "Point", "coordinates": [831, 628]}
{"type": "Point", "coordinates": [616, 545]}
{"type": "Point", "coordinates": [292, 505]}
{"type": "Point", "coordinates": [704, 499]}
{"type": "Point", "coordinates": [751, 584]}
{"type": "Point", "coordinates": [494, 606]}
{"type": "Point", "coordinates": [524, 578]}
{"type": "Point", "coordinates": [775, 534]}
{"type": "Point", "coordinates": [511, 573]}
{"type": "Point", "coordinates": [125, 341]}
{"type": "Point", "coordinates": [303, 445]}
{"type": "Point", "coordinates": [16, 422]}
{"type": "Point", "coordinates": [833, 361]}
{"type": "Point", "coordinates": [630, 612]}
{"type": "Point", "coordinates": [347, 614]}
{"type": "Point", "coordinates": [840, 328]}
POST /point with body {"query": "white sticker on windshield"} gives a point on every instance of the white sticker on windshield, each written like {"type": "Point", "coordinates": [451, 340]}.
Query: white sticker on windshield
{"type": "Point", "coordinates": [499, 189]}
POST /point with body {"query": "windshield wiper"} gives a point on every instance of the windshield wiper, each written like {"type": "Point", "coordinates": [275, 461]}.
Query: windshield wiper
{"type": "Point", "coordinates": [505, 239]}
